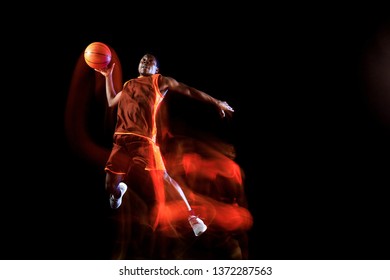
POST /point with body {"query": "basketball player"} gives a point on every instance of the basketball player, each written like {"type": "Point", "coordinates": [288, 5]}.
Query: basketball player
{"type": "Point", "coordinates": [135, 161]}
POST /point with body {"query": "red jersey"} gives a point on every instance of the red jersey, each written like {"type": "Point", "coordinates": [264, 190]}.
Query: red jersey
{"type": "Point", "coordinates": [137, 107]}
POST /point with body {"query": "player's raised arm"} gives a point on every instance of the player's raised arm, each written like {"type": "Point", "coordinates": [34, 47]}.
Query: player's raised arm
{"type": "Point", "coordinates": [169, 83]}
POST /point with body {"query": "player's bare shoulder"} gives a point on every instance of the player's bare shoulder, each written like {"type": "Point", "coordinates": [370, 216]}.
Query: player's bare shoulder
{"type": "Point", "coordinates": [167, 83]}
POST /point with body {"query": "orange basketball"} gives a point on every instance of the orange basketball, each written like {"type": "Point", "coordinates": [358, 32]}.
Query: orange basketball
{"type": "Point", "coordinates": [97, 55]}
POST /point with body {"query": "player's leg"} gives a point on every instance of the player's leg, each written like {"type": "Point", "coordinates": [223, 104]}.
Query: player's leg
{"type": "Point", "coordinates": [116, 188]}
{"type": "Point", "coordinates": [198, 226]}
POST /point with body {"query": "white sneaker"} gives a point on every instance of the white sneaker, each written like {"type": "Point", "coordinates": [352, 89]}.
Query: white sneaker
{"type": "Point", "coordinates": [197, 225]}
{"type": "Point", "coordinates": [116, 202]}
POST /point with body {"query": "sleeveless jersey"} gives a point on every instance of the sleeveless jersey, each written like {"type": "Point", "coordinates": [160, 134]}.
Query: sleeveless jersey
{"type": "Point", "coordinates": [137, 107]}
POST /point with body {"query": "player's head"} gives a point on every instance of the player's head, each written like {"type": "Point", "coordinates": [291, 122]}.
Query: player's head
{"type": "Point", "coordinates": [148, 65]}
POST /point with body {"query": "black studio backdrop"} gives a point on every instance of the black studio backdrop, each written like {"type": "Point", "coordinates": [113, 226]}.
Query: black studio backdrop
{"type": "Point", "coordinates": [309, 128]}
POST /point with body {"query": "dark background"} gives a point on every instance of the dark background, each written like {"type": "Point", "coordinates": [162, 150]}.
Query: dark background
{"type": "Point", "coordinates": [311, 125]}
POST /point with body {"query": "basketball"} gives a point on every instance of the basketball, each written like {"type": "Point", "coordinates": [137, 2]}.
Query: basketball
{"type": "Point", "coordinates": [97, 55]}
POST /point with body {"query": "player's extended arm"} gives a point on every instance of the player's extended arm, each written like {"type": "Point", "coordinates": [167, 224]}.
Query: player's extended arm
{"type": "Point", "coordinates": [169, 83]}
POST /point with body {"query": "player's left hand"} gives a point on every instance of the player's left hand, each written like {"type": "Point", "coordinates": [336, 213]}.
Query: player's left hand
{"type": "Point", "coordinates": [224, 106]}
